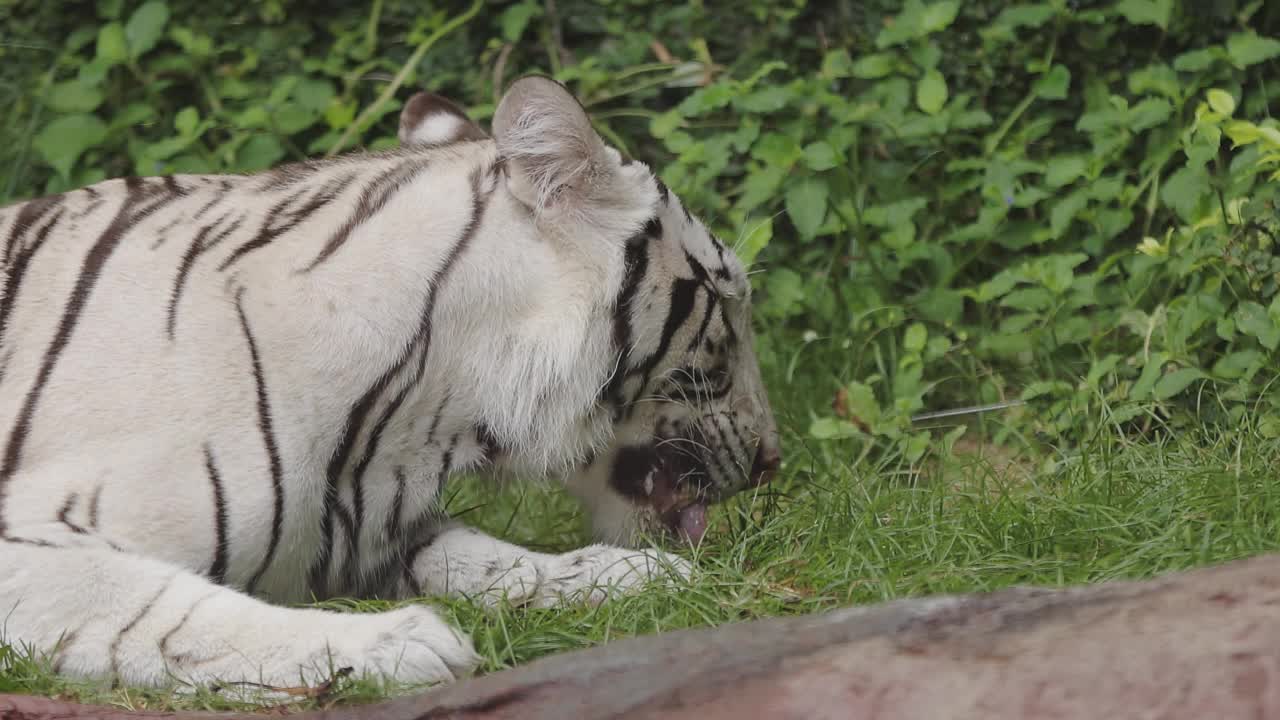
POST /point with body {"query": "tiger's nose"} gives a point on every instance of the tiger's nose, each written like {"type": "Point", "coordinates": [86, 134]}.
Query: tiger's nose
{"type": "Point", "coordinates": [768, 459]}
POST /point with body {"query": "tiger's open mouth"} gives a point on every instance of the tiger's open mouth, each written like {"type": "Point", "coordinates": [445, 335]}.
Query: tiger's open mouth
{"type": "Point", "coordinates": [670, 480]}
{"type": "Point", "coordinates": [671, 476]}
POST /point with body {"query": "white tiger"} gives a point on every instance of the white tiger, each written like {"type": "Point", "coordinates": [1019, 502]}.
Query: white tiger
{"type": "Point", "coordinates": [223, 393]}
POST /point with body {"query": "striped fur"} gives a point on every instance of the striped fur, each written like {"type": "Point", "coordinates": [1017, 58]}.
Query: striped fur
{"type": "Point", "coordinates": [220, 394]}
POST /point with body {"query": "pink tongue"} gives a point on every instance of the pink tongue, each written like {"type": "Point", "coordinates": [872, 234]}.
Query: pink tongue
{"type": "Point", "coordinates": [693, 522]}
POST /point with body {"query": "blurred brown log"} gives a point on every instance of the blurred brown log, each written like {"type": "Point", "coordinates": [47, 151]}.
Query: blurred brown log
{"type": "Point", "coordinates": [1200, 644]}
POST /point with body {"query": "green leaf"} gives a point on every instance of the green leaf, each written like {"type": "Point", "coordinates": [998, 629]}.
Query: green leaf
{"type": "Point", "coordinates": [516, 18]}
{"type": "Point", "coordinates": [755, 241]}
{"type": "Point", "coordinates": [1054, 84]}
{"type": "Point", "coordinates": [1184, 189]}
{"type": "Point", "coordinates": [292, 117]}
{"type": "Point", "coordinates": [1146, 12]}
{"type": "Point", "coordinates": [784, 292]}
{"type": "Point", "coordinates": [861, 402]}
{"type": "Point", "coordinates": [1065, 211]}
{"type": "Point", "coordinates": [73, 96]}
{"type": "Point", "coordinates": [776, 149]}
{"type": "Point", "coordinates": [1176, 381]}
{"type": "Point", "coordinates": [916, 446]}
{"type": "Point", "coordinates": [770, 98]}
{"type": "Point", "coordinates": [1248, 48]}
{"type": "Point", "coordinates": [1025, 16]}
{"type": "Point", "coordinates": [1252, 319]}
{"type": "Point", "coordinates": [62, 141]}
{"type": "Point", "coordinates": [1237, 364]}
{"type": "Point", "coordinates": [938, 16]}
{"type": "Point", "coordinates": [832, 429]}
{"type": "Point", "coordinates": [1221, 102]}
{"type": "Point", "coordinates": [871, 67]}
{"type": "Point", "coordinates": [145, 27]}
{"type": "Point", "coordinates": [1150, 374]}
{"type": "Point", "coordinates": [837, 64]}
{"type": "Point", "coordinates": [915, 337]}
{"type": "Point", "coordinates": [916, 21]}
{"type": "Point", "coordinates": [806, 203]}
{"type": "Point", "coordinates": [1149, 113]}
{"type": "Point", "coordinates": [112, 47]}
{"type": "Point", "coordinates": [1159, 78]}
{"type": "Point", "coordinates": [186, 120]}
{"type": "Point", "coordinates": [819, 156]}
{"type": "Point", "coordinates": [1064, 169]}
{"type": "Point", "coordinates": [259, 153]}
{"type": "Point", "coordinates": [1028, 299]}
{"type": "Point", "coordinates": [1198, 60]}
{"type": "Point", "coordinates": [314, 93]}
{"type": "Point", "coordinates": [931, 92]}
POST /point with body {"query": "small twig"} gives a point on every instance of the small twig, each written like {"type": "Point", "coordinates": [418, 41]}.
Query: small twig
{"type": "Point", "coordinates": [971, 410]}
{"type": "Point", "coordinates": [398, 80]}
{"type": "Point", "coordinates": [661, 52]}
{"type": "Point", "coordinates": [499, 70]}
{"type": "Point", "coordinates": [557, 38]}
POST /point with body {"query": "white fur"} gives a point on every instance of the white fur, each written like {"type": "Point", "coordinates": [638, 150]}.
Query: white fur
{"type": "Point", "coordinates": [108, 520]}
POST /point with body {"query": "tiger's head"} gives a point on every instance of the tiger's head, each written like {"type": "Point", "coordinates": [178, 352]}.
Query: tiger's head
{"type": "Point", "coordinates": [678, 390]}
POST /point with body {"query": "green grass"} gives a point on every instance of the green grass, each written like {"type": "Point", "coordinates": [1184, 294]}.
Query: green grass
{"type": "Point", "coordinates": [828, 535]}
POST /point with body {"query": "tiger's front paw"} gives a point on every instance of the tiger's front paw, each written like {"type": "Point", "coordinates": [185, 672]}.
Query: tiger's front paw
{"type": "Point", "coordinates": [598, 572]}
{"type": "Point", "coordinates": [410, 645]}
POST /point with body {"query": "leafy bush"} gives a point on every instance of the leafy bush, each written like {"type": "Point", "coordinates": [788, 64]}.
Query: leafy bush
{"type": "Point", "coordinates": [1068, 203]}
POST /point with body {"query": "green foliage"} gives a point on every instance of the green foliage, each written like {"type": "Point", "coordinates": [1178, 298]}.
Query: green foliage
{"type": "Point", "coordinates": [1067, 203]}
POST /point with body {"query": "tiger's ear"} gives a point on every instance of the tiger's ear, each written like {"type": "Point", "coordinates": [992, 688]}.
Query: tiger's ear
{"type": "Point", "coordinates": [556, 160]}
{"type": "Point", "coordinates": [431, 119]}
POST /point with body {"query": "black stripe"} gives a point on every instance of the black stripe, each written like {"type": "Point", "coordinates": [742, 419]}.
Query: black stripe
{"type": "Point", "coordinates": [60, 649]}
{"type": "Point", "coordinates": [164, 639]}
{"type": "Point", "coordinates": [162, 233]}
{"type": "Point", "coordinates": [85, 282]}
{"type": "Point", "coordinates": [28, 215]}
{"type": "Point", "coordinates": [15, 272]}
{"type": "Point", "coordinates": [446, 461]}
{"type": "Point", "coordinates": [268, 232]}
{"type": "Point", "coordinates": [281, 219]}
{"type": "Point", "coordinates": [268, 441]}
{"type": "Point", "coordinates": [172, 185]}
{"type": "Point", "coordinates": [411, 556]}
{"type": "Point", "coordinates": [742, 443]}
{"type": "Point", "coordinates": [27, 541]}
{"type": "Point", "coordinates": [683, 295]}
{"type": "Point", "coordinates": [199, 246]}
{"type": "Point", "coordinates": [712, 299]}
{"type": "Point", "coordinates": [663, 190]}
{"type": "Point", "coordinates": [362, 407]}
{"type": "Point", "coordinates": [355, 420]}
{"type": "Point", "coordinates": [218, 568]}
{"type": "Point", "coordinates": [218, 196]}
{"type": "Point", "coordinates": [719, 459]}
{"type": "Point", "coordinates": [479, 203]}
{"type": "Point", "coordinates": [636, 264]}
{"type": "Point", "coordinates": [115, 643]}
{"type": "Point", "coordinates": [490, 448]}
{"type": "Point", "coordinates": [89, 209]}
{"type": "Point", "coordinates": [392, 529]}
{"type": "Point", "coordinates": [374, 198]}
{"type": "Point", "coordinates": [64, 514]}
{"type": "Point", "coordinates": [94, 502]}
{"type": "Point", "coordinates": [731, 337]}
{"type": "Point", "coordinates": [357, 480]}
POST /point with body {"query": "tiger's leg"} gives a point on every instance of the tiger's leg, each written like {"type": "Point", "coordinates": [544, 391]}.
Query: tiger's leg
{"type": "Point", "coordinates": [103, 613]}
{"type": "Point", "coordinates": [457, 560]}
